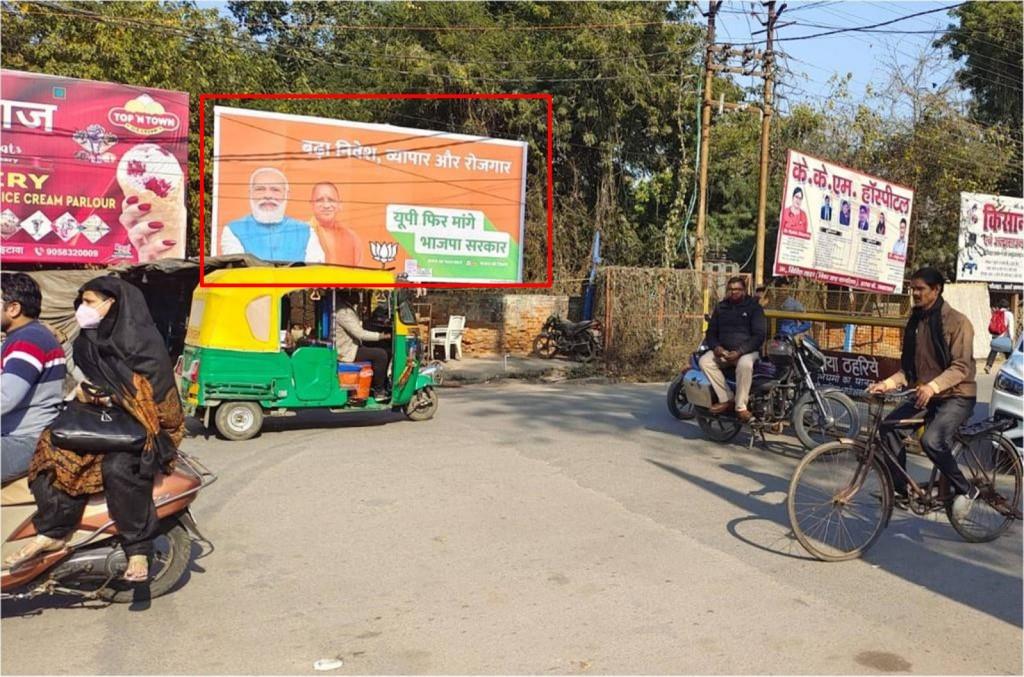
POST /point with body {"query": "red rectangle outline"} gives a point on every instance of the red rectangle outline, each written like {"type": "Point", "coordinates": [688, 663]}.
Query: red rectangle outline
{"type": "Point", "coordinates": [203, 98]}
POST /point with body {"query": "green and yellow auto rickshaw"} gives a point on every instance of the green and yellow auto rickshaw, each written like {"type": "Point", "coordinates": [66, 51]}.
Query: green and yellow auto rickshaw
{"type": "Point", "coordinates": [239, 366]}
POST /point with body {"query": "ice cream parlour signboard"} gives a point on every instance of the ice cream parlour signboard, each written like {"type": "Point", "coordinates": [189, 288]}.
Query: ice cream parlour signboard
{"type": "Point", "coordinates": [92, 172]}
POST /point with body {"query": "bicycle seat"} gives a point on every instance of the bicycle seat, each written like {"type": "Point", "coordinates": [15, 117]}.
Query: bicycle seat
{"type": "Point", "coordinates": [972, 430]}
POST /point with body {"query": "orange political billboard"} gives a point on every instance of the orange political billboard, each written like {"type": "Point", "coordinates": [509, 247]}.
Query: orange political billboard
{"type": "Point", "coordinates": [434, 206]}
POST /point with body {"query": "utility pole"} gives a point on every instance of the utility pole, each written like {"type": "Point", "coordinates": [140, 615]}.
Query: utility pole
{"type": "Point", "coordinates": [705, 131]}
{"type": "Point", "coordinates": [766, 121]}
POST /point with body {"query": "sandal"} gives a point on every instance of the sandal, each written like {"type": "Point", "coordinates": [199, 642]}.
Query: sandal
{"type": "Point", "coordinates": [37, 546]}
{"type": "Point", "coordinates": [138, 569]}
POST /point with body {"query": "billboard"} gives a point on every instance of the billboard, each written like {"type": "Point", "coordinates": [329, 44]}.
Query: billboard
{"type": "Point", "coordinates": [433, 206]}
{"type": "Point", "coordinates": [842, 227]}
{"type": "Point", "coordinates": [93, 172]}
{"type": "Point", "coordinates": [991, 242]}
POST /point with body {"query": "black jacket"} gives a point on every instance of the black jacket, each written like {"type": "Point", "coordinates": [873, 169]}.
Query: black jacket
{"type": "Point", "coordinates": [737, 326]}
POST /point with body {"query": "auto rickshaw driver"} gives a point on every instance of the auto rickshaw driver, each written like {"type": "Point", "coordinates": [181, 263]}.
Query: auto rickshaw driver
{"type": "Point", "coordinates": [349, 336]}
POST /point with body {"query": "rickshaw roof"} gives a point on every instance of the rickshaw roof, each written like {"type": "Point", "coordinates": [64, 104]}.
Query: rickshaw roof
{"type": "Point", "coordinates": [248, 318]}
{"type": "Point", "coordinates": [300, 277]}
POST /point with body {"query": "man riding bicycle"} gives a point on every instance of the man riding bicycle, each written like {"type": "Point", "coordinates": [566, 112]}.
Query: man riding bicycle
{"type": "Point", "coordinates": [938, 361]}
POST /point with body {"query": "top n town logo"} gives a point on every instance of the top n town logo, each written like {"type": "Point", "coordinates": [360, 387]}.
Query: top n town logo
{"type": "Point", "coordinates": [145, 116]}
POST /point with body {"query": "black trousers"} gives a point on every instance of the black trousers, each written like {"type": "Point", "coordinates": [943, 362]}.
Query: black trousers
{"type": "Point", "coordinates": [378, 359]}
{"type": "Point", "coordinates": [942, 418]}
{"type": "Point", "coordinates": [129, 499]}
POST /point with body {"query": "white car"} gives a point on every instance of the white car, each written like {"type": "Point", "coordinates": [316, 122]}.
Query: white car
{"type": "Point", "coordinates": [1007, 399]}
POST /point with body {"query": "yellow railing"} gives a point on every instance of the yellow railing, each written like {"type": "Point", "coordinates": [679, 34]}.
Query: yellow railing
{"type": "Point", "coordinates": [837, 318]}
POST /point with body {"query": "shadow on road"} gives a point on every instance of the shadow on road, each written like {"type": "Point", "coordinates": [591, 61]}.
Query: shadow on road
{"type": "Point", "coordinates": [910, 547]}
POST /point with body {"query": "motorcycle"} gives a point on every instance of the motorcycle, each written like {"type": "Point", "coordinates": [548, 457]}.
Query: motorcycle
{"type": "Point", "coordinates": [576, 340]}
{"type": "Point", "coordinates": [783, 389]}
{"type": "Point", "coordinates": [92, 564]}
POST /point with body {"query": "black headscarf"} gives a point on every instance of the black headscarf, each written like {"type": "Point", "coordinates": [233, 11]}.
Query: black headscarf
{"type": "Point", "coordinates": [933, 316]}
{"type": "Point", "coordinates": [125, 342]}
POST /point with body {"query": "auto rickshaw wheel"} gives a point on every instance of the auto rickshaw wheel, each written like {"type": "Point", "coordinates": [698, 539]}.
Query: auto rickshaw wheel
{"type": "Point", "coordinates": [238, 421]}
{"type": "Point", "coordinates": [423, 405]}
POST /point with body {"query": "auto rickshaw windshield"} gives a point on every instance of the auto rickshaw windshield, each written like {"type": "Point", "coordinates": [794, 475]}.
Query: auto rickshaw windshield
{"type": "Point", "coordinates": [405, 311]}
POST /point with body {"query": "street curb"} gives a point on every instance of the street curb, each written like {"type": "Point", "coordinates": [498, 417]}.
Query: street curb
{"type": "Point", "coordinates": [469, 379]}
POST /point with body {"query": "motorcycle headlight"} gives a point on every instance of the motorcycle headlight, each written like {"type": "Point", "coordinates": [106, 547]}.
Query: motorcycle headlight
{"type": "Point", "coordinates": [1009, 384]}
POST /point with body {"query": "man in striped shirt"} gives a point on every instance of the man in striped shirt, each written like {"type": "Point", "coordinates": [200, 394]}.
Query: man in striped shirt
{"type": "Point", "coordinates": [31, 374]}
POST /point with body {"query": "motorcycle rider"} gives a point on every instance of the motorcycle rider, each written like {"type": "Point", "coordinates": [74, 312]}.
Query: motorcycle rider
{"type": "Point", "coordinates": [31, 373]}
{"type": "Point", "coordinates": [736, 331]}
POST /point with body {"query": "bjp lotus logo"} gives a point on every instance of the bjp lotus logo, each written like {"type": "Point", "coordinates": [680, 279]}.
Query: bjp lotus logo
{"type": "Point", "coordinates": [384, 252]}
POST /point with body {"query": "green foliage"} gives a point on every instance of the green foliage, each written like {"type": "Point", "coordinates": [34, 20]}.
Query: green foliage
{"type": "Point", "coordinates": [990, 39]}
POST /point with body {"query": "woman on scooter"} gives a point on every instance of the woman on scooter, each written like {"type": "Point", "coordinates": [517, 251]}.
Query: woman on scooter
{"type": "Point", "coordinates": [126, 363]}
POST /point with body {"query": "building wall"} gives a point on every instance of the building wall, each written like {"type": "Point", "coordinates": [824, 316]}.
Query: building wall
{"type": "Point", "coordinates": [496, 323]}
{"type": "Point", "coordinates": [524, 317]}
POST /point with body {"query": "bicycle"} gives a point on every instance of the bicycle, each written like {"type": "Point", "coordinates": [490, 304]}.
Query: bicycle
{"type": "Point", "coordinates": [842, 494]}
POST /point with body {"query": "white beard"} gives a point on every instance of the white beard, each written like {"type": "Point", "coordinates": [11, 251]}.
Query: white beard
{"type": "Point", "coordinates": [264, 215]}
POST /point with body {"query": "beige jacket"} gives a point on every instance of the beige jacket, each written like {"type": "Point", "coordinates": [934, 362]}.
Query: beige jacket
{"type": "Point", "coordinates": [349, 333]}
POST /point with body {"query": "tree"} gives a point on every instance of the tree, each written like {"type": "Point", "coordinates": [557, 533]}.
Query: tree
{"type": "Point", "coordinates": [990, 39]}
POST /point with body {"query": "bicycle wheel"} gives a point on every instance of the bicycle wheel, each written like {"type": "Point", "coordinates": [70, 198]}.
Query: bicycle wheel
{"type": "Point", "coordinates": [838, 503]}
{"type": "Point", "coordinates": [989, 462]}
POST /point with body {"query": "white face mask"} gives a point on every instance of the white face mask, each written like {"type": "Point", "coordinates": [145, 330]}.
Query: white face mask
{"type": "Point", "coordinates": [87, 316]}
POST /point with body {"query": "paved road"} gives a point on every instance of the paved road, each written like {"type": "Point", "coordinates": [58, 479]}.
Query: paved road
{"type": "Point", "coordinates": [533, 529]}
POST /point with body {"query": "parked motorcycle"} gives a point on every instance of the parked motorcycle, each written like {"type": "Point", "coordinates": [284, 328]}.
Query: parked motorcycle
{"type": "Point", "coordinates": [576, 340]}
{"type": "Point", "coordinates": [783, 389]}
{"type": "Point", "coordinates": [91, 566]}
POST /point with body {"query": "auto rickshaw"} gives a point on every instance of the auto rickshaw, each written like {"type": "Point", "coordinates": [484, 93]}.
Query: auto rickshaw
{"type": "Point", "coordinates": [238, 367]}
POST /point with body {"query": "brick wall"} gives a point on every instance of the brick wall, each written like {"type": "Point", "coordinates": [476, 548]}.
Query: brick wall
{"type": "Point", "coordinates": [496, 323]}
{"type": "Point", "coordinates": [524, 317]}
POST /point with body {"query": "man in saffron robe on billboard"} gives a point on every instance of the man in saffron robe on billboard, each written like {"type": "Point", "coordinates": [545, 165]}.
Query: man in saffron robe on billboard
{"type": "Point", "coordinates": [267, 232]}
{"type": "Point", "coordinates": [341, 244]}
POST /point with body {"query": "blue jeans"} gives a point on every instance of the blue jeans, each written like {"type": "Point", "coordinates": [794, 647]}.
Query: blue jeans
{"type": "Point", "coordinates": [15, 453]}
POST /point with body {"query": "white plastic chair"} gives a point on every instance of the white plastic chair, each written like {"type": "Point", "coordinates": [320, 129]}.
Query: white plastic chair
{"type": "Point", "coordinates": [450, 335]}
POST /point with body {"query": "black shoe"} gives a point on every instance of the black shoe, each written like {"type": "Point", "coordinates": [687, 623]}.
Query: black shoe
{"type": "Point", "coordinates": [381, 396]}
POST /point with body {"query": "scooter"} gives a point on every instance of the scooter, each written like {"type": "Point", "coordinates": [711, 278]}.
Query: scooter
{"type": "Point", "coordinates": [92, 564]}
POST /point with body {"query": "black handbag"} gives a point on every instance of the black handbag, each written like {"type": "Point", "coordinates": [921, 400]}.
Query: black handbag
{"type": "Point", "coordinates": [94, 429]}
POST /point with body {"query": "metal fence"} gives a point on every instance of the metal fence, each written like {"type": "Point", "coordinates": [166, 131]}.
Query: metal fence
{"type": "Point", "coordinates": [654, 318]}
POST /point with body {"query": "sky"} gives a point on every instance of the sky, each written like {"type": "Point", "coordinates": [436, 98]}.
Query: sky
{"type": "Point", "coordinates": [811, 63]}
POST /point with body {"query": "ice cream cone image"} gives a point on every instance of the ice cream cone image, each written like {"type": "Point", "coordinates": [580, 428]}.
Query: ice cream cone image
{"type": "Point", "coordinates": [153, 181]}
